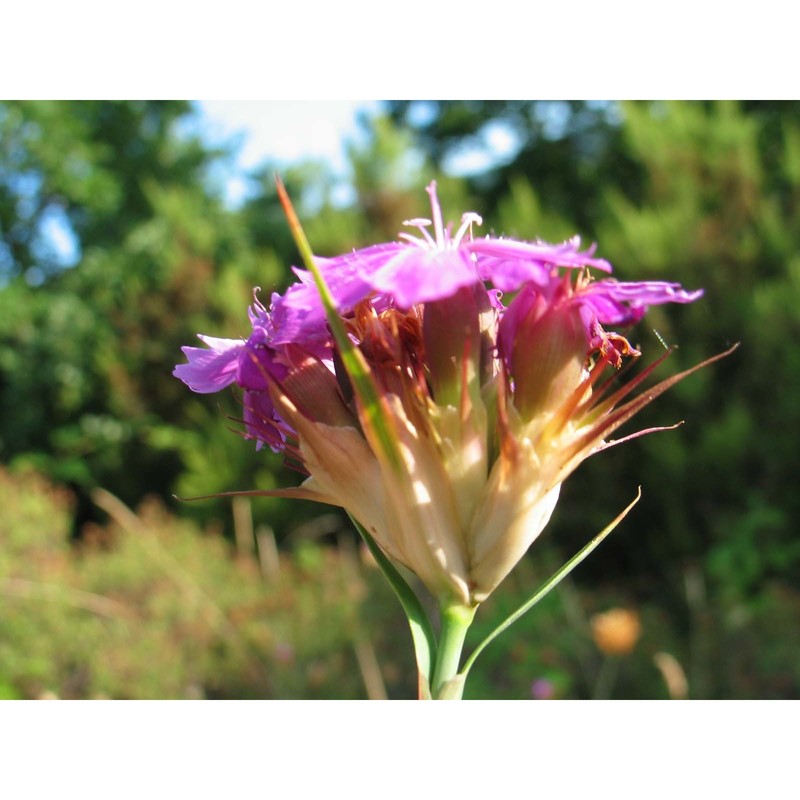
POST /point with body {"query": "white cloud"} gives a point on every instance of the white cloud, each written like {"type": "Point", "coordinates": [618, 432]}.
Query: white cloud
{"type": "Point", "coordinates": [284, 130]}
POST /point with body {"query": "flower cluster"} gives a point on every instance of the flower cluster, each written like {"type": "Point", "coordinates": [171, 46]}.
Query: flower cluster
{"type": "Point", "coordinates": [486, 357]}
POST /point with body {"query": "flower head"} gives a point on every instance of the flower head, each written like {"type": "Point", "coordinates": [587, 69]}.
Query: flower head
{"type": "Point", "coordinates": [482, 406]}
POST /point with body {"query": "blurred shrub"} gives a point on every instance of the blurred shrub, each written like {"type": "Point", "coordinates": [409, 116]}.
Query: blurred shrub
{"type": "Point", "coordinates": [150, 607]}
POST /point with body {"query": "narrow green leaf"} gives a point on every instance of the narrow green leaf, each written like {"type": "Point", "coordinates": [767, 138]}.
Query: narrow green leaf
{"type": "Point", "coordinates": [551, 583]}
{"type": "Point", "coordinates": [421, 629]}
{"type": "Point", "coordinates": [375, 419]}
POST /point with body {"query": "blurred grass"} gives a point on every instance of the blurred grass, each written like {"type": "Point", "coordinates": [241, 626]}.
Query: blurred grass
{"type": "Point", "coordinates": [163, 610]}
{"type": "Point", "coordinates": [149, 606]}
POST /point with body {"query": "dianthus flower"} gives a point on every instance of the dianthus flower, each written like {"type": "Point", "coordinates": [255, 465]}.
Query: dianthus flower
{"type": "Point", "coordinates": [483, 358]}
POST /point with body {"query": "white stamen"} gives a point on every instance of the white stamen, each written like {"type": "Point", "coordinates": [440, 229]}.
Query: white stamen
{"type": "Point", "coordinates": [256, 302]}
{"type": "Point", "coordinates": [467, 221]}
{"type": "Point", "coordinates": [420, 223]}
{"type": "Point", "coordinates": [407, 237]}
{"type": "Point", "coordinates": [444, 237]}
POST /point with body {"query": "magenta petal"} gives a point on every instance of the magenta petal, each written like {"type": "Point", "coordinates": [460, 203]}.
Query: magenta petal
{"type": "Point", "coordinates": [259, 361]}
{"type": "Point", "coordinates": [509, 274]}
{"type": "Point", "coordinates": [419, 275]}
{"type": "Point", "coordinates": [299, 317]}
{"type": "Point", "coordinates": [509, 264]}
{"type": "Point", "coordinates": [349, 277]}
{"type": "Point", "coordinates": [647, 292]}
{"type": "Point", "coordinates": [210, 370]}
{"type": "Point", "coordinates": [620, 303]}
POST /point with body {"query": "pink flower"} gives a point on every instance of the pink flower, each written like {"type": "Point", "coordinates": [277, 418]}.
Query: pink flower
{"type": "Point", "coordinates": [487, 406]}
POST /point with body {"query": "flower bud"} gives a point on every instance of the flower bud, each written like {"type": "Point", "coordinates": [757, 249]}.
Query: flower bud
{"type": "Point", "coordinates": [545, 345]}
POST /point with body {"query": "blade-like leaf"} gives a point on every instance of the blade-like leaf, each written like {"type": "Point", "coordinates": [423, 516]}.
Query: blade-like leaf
{"type": "Point", "coordinates": [550, 584]}
{"type": "Point", "coordinates": [421, 629]}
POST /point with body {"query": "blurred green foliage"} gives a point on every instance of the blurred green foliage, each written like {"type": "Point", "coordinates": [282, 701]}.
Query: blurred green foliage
{"type": "Point", "coordinates": [149, 606]}
{"type": "Point", "coordinates": [707, 194]}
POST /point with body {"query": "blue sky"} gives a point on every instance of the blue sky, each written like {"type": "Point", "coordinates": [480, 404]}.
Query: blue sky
{"type": "Point", "coordinates": [285, 131]}
{"type": "Point", "coordinates": [289, 131]}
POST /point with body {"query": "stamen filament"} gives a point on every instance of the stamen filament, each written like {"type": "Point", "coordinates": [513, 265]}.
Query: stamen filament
{"type": "Point", "coordinates": [407, 237]}
{"type": "Point", "coordinates": [421, 224]}
{"type": "Point", "coordinates": [438, 224]}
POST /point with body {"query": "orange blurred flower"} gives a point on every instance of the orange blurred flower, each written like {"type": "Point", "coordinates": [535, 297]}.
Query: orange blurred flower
{"type": "Point", "coordinates": [616, 631]}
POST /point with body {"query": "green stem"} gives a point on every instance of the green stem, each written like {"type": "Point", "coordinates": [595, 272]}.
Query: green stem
{"type": "Point", "coordinates": [447, 684]}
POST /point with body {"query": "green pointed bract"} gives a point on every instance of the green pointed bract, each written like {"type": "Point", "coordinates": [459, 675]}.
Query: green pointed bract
{"type": "Point", "coordinates": [377, 423]}
{"type": "Point", "coordinates": [549, 585]}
